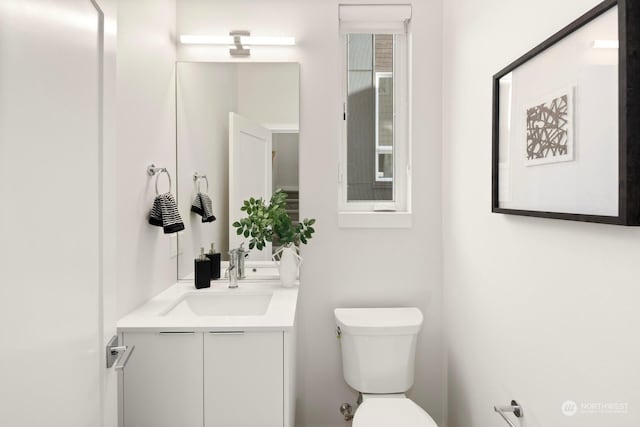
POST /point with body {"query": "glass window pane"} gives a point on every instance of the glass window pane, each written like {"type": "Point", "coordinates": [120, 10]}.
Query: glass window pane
{"type": "Point", "coordinates": [370, 118]}
{"type": "Point", "coordinates": [385, 167]}
{"type": "Point", "coordinates": [385, 110]}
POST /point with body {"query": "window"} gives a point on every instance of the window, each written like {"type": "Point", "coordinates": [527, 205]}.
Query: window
{"type": "Point", "coordinates": [374, 171]}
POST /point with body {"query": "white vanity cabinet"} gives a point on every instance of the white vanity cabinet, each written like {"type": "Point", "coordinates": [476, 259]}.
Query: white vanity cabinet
{"type": "Point", "coordinates": [162, 382]}
{"type": "Point", "coordinates": [214, 357]}
{"type": "Point", "coordinates": [210, 379]}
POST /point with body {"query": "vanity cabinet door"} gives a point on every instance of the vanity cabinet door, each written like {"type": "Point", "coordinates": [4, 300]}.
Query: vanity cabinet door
{"type": "Point", "coordinates": [162, 382]}
{"type": "Point", "coordinates": [243, 379]}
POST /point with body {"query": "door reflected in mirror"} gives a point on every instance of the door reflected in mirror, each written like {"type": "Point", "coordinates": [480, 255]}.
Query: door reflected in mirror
{"type": "Point", "coordinates": [237, 124]}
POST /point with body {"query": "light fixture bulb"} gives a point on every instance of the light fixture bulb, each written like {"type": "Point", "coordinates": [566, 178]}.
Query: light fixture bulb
{"type": "Point", "coordinates": [246, 40]}
{"type": "Point", "coordinates": [193, 39]}
{"type": "Point", "coordinates": [268, 41]}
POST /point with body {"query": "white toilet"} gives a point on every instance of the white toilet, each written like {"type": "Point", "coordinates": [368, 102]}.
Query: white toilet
{"type": "Point", "coordinates": [378, 358]}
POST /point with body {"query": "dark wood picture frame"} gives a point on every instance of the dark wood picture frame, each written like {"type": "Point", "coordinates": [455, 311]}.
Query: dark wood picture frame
{"type": "Point", "coordinates": [628, 120]}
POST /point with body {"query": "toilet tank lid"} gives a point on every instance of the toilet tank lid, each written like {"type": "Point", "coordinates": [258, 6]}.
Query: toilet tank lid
{"type": "Point", "coordinates": [379, 321]}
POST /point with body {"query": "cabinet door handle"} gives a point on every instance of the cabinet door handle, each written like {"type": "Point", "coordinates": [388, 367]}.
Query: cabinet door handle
{"type": "Point", "coordinates": [177, 332]}
{"type": "Point", "coordinates": [226, 332]}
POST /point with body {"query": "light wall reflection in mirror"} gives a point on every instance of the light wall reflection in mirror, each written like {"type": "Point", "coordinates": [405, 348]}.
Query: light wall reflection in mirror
{"type": "Point", "coordinates": [238, 124]}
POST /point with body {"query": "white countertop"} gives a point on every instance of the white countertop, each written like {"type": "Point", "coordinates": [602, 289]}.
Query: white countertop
{"type": "Point", "coordinates": [280, 314]}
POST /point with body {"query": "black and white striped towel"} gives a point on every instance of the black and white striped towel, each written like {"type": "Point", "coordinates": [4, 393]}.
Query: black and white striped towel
{"type": "Point", "coordinates": [165, 214]}
{"type": "Point", "coordinates": [202, 206]}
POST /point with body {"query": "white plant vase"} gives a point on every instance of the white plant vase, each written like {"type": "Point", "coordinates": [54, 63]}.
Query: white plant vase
{"type": "Point", "coordinates": [288, 262]}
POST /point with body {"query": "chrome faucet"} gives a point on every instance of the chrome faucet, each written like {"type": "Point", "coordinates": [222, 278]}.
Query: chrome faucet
{"type": "Point", "coordinates": [236, 265]}
{"type": "Point", "coordinates": [236, 257]}
{"type": "Point", "coordinates": [232, 274]}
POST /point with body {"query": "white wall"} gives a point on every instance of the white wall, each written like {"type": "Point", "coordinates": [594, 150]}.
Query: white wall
{"type": "Point", "coordinates": [146, 134]}
{"type": "Point", "coordinates": [538, 310]}
{"type": "Point", "coordinates": [347, 267]}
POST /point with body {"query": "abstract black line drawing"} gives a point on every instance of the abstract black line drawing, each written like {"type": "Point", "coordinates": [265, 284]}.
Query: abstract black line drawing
{"type": "Point", "coordinates": [549, 138]}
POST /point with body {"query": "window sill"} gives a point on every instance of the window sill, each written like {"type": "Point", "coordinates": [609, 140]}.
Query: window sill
{"type": "Point", "coordinates": [375, 220]}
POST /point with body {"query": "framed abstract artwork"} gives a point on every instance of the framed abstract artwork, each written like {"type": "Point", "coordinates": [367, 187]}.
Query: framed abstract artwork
{"type": "Point", "coordinates": [566, 122]}
{"type": "Point", "coordinates": [549, 127]}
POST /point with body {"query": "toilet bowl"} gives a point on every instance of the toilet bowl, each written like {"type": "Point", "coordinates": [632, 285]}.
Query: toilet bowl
{"type": "Point", "coordinates": [378, 359]}
{"type": "Point", "coordinates": [391, 411]}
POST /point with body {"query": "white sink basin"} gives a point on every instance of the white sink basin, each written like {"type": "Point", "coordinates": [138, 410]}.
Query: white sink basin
{"type": "Point", "coordinates": [257, 305]}
{"type": "Point", "coordinates": [221, 304]}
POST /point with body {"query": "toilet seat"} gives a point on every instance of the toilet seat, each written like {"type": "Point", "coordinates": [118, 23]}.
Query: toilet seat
{"type": "Point", "coordinates": [391, 412]}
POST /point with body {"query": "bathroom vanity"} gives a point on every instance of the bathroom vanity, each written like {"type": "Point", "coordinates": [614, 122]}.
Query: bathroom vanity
{"type": "Point", "coordinates": [219, 356]}
{"type": "Point", "coordinates": [211, 357]}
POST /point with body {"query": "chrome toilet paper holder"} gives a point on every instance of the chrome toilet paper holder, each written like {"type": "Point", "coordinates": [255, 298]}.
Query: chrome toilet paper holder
{"type": "Point", "coordinates": [514, 408]}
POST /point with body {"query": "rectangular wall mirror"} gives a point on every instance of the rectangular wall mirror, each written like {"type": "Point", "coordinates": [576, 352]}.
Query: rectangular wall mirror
{"type": "Point", "coordinates": [238, 126]}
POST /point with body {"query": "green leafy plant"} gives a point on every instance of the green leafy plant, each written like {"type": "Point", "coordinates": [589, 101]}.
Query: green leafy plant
{"type": "Point", "coordinates": [268, 223]}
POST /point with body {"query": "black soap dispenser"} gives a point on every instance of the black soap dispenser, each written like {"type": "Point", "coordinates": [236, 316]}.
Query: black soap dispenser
{"type": "Point", "coordinates": [202, 269]}
{"type": "Point", "coordinates": [215, 263]}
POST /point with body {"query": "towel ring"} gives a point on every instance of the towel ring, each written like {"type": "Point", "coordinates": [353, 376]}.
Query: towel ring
{"type": "Point", "coordinates": [163, 170]}
{"type": "Point", "coordinates": [197, 178]}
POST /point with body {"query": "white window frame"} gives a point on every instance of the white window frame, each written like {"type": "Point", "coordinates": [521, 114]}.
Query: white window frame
{"type": "Point", "coordinates": [397, 212]}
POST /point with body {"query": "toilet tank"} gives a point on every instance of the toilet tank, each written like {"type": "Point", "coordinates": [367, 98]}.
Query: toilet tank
{"type": "Point", "coordinates": [378, 347]}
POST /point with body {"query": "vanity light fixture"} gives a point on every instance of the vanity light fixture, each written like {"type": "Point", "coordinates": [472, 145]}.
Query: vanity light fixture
{"type": "Point", "coordinates": [239, 41]}
{"type": "Point", "coordinates": [606, 44]}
